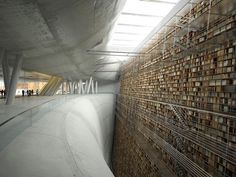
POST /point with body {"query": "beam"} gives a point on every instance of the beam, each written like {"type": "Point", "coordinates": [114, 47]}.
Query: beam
{"type": "Point", "coordinates": [109, 63]}
{"type": "Point", "coordinates": [160, 1]}
{"type": "Point", "coordinates": [143, 15]}
{"type": "Point", "coordinates": [113, 51]}
{"type": "Point", "coordinates": [141, 26]}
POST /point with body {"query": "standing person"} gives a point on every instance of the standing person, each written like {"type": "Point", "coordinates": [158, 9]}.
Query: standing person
{"type": "Point", "coordinates": [1, 93]}
{"type": "Point", "coordinates": [37, 92]}
{"type": "Point", "coordinates": [23, 93]}
{"type": "Point", "coordinates": [4, 93]}
{"type": "Point", "coordinates": [27, 92]}
{"type": "Point", "coordinates": [32, 91]}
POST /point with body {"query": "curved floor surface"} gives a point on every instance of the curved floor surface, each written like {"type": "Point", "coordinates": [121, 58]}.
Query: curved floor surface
{"type": "Point", "coordinates": [73, 140]}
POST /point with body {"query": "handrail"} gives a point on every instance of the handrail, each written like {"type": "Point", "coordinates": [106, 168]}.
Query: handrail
{"type": "Point", "coordinates": [13, 117]}
{"type": "Point", "coordinates": [213, 146]}
{"type": "Point", "coordinates": [181, 106]}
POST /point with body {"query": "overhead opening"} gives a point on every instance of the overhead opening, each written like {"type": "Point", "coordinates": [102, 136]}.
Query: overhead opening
{"type": "Point", "coordinates": [137, 20]}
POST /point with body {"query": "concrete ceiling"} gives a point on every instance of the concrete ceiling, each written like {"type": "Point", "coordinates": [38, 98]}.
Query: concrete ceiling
{"type": "Point", "coordinates": [54, 35]}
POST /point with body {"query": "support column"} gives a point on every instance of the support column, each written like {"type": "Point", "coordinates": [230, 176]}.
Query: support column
{"type": "Point", "coordinates": [80, 86]}
{"type": "Point", "coordinates": [83, 86]}
{"type": "Point", "coordinates": [6, 71]}
{"type": "Point", "coordinates": [69, 86]}
{"type": "Point", "coordinates": [92, 86]}
{"type": "Point", "coordinates": [14, 79]}
{"type": "Point", "coordinates": [62, 88]}
{"type": "Point", "coordinates": [89, 85]}
{"type": "Point", "coordinates": [96, 87]}
{"type": "Point", "coordinates": [86, 87]}
{"type": "Point", "coordinates": [75, 87]}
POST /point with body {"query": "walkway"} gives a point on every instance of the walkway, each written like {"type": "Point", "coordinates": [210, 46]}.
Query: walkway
{"type": "Point", "coordinates": [22, 104]}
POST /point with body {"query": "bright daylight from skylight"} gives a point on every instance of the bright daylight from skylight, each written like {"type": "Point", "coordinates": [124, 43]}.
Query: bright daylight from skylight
{"type": "Point", "coordinates": [137, 20]}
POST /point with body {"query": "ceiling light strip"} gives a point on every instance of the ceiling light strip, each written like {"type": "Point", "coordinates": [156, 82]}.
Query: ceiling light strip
{"type": "Point", "coordinates": [143, 15]}
{"type": "Point", "coordinates": [160, 1]}
{"type": "Point", "coordinates": [125, 24]}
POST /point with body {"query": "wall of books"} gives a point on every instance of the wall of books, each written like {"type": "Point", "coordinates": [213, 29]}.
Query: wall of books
{"type": "Point", "coordinates": [176, 113]}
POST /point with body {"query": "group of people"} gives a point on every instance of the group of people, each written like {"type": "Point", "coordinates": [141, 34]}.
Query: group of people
{"type": "Point", "coordinates": [29, 92]}
{"type": "Point", "coordinates": [3, 93]}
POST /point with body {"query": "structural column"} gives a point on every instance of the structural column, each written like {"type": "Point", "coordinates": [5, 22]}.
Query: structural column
{"type": "Point", "coordinates": [75, 87]}
{"type": "Point", "coordinates": [89, 85]}
{"type": "Point", "coordinates": [68, 87]}
{"type": "Point", "coordinates": [86, 87]}
{"type": "Point", "coordinates": [14, 79]}
{"type": "Point", "coordinates": [82, 87]}
{"type": "Point", "coordinates": [62, 88]}
{"type": "Point", "coordinates": [92, 86]}
{"type": "Point", "coordinates": [96, 87]}
{"type": "Point", "coordinates": [6, 70]}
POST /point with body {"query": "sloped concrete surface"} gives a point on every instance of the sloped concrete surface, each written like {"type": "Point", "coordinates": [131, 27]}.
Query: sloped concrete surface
{"type": "Point", "coordinates": [73, 140]}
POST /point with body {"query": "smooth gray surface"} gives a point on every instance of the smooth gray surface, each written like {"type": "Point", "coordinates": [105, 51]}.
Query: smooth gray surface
{"type": "Point", "coordinates": [74, 139]}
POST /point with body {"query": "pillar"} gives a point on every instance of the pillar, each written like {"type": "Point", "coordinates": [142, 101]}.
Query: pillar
{"type": "Point", "coordinates": [74, 87]}
{"type": "Point", "coordinates": [69, 87]}
{"type": "Point", "coordinates": [14, 79]}
{"type": "Point", "coordinates": [6, 70]}
{"type": "Point", "coordinates": [83, 88]}
{"type": "Point", "coordinates": [96, 87]}
{"type": "Point", "coordinates": [80, 86]}
{"type": "Point", "coordinates": [62, 88]}
{"type": "Point", "coordinates": [92, 86]}
{"type": "Point", "coordinates": [86, 87]}
{"type": "Point", "coordinates": [89, 85]}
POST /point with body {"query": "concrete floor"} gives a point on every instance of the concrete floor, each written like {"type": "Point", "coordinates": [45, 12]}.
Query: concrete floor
{"type": "Point", "coordinates": [72, 139]}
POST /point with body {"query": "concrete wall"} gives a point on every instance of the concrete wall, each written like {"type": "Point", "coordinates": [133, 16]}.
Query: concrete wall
{"type": "Point", "coordinates": [112, 87]}
{"type": "Point", "coordinates": [72, 140]}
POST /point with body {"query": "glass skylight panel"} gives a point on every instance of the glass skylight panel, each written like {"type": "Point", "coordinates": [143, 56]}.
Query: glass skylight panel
{"type": "Point", "coordinates": [149, 8]}
{"type": "Point", "coordinates": [125, 43]}
{"type": "Point", "coordinates": [137, 20]}
{"type": "Point", "coordinates": [126, 36]}
{"type": "Point", "coordinates": [129, 29]}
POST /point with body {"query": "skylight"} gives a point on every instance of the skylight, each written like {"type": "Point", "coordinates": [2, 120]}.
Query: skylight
{"type": "Point", "coordinates": [137, 20]}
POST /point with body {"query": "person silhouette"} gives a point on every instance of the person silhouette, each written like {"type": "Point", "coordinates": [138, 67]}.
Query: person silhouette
{"type": "Point", "coordinates": [1, 93]}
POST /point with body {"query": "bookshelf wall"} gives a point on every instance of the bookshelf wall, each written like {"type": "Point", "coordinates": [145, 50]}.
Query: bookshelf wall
{"type": "Point", "coordinates": [176, 113]}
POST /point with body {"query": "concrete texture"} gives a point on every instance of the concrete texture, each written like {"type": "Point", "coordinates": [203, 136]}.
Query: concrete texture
{"type": "Point", "coordinates": [112, 87]}
{"type": "Point", "coordinates": [54, 35]}
{"type": "Point", "coordinates": [74, 139]}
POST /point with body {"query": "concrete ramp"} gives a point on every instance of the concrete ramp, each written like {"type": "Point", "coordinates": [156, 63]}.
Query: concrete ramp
{"type": "Point", "coordinates": [72, 140]}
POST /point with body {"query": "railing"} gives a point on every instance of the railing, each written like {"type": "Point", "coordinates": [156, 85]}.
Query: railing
{"type": "Point", "coordinates": [13, 126]}
{"type": "Point", "coordinates": [185, 162]}
{"type": "Point", "coordinates": [200, 139]}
